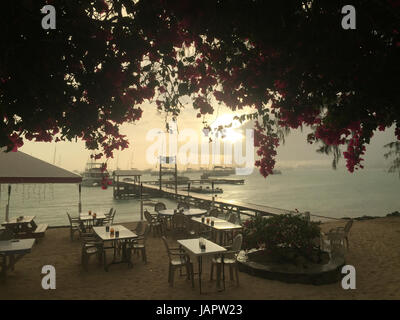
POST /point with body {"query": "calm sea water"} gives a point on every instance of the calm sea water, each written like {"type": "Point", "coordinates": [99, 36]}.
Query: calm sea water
{"type": "Point", "coordinates": [321, 191]}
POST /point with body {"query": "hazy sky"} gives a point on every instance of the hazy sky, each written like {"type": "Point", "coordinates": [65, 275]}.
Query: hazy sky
{"type": "Point", "coordinates": [295, 152]}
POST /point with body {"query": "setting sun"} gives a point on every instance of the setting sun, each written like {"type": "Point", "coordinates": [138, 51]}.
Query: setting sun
{"type": "Point", "coordinates": [230, 134]}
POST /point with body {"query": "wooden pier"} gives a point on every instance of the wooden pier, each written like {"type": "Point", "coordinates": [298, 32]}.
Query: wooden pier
{"type": "Point", "coordinates": [126, 184]}
{"type": "Point", "coordinates": [150, 190]}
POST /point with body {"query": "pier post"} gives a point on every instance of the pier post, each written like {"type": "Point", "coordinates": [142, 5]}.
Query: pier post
{"type": "Point", "coordinates": [212, 187]}
{"type": "Point", "coordinates": [160, 175]}
{"type": "Point", "coordinates": [118, 191]}
{"type": "Point", "coordinates": [141, 201]}
{"type": "Point", "coordinates": [114, 185]}
{"type": "Point", "coordinates": [176, 177]}
{"type": "Point", "coordinates": [80, 198]}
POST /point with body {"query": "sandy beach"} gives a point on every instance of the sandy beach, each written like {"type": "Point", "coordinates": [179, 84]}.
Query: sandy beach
{"type": "Point", "coordinates": [374, 252]}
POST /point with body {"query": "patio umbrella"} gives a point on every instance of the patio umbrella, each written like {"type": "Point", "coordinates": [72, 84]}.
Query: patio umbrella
{"type": "Point", "coordinates": [19, 167]}
{"type": "Point", "coordinates": [80, 199]}
{"type": "Point", "coordinates": [8, 202]}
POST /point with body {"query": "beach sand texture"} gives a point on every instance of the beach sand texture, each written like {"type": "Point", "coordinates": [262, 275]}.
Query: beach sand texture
{"type": "Point", "coordinates": [374, 252]}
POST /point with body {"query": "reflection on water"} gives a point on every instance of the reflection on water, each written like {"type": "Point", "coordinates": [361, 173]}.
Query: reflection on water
{"type": "Point", "coordinates": [323, 191]}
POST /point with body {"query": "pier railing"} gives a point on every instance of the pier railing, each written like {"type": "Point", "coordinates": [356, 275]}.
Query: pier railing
{"type": "Point", "coordinates": [196, 181]}
{"type": "Point", "coordinates": [242, 209]}
{"type": "Point", "coordinates": [148, 189]}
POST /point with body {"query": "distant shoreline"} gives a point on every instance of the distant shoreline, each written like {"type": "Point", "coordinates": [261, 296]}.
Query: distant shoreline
{"type": "Point", "coordinates": [365, 217]}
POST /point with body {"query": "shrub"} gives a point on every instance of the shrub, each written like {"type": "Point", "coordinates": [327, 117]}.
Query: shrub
{"type": "Point", "coordinates": [284, 236]}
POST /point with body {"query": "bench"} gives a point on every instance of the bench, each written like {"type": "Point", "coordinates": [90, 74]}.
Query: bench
{"type": "Point", "coordinates": [40, 230]}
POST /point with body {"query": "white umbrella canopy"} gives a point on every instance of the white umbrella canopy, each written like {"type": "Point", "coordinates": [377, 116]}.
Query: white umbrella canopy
{"type": "Point", "coordinates": [19, 167]}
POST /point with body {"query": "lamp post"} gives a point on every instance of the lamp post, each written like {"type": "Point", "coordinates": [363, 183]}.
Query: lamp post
{"type": "Point", "coordinates": [212, 187]}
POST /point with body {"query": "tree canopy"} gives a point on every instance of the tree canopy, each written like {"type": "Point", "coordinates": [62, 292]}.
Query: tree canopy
{"type": "Point", "coordinates": [291, 62]}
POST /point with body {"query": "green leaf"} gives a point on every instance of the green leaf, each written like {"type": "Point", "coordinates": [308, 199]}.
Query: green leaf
{"type": "Point", "coordinates": [146, 68]}
{"type": "Point", "coordinates": [183, 89]}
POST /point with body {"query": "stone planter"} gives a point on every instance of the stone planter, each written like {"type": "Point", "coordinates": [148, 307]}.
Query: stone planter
{"type": "Point", "coordinates": [316, 274]}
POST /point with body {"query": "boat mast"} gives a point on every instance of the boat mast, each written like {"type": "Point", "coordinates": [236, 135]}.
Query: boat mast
{"type": "Point", "coordinates": [54, 155]}
{"type": "Point", "coordinates": [131, 161]}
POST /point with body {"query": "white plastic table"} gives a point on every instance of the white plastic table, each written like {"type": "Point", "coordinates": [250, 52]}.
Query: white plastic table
{"type": "Point", "coordinates": [125, 235]}
{"type": "Point", "coordinates": [220, 225]}
{"type": "Point", "coordinates": [192, 246]}
{"type": "Point", "coordinates": [89, 221]}
{"type": "Point", "coordinates": [18, 225]}
{"type": "Point", "coordinates": [187, 212]}
{"type": "Point", "coordinates": [167, 214]}
{"type": "Point", "coordinates": [86, 217]}
{"type": "Point", "coordinates": [14, 249]}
